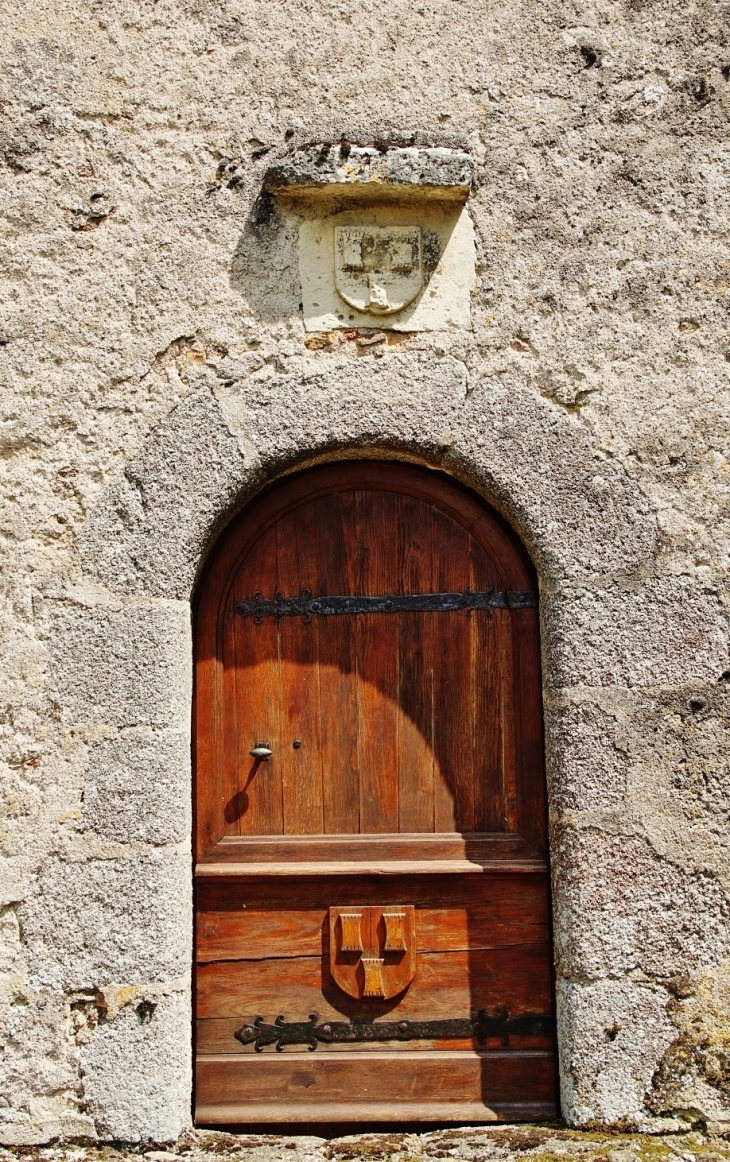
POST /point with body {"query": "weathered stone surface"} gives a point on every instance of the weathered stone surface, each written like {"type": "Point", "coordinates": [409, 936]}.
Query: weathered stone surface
{"type": "Point", "coordinates": [470, 1143]}
{"type": "Point", "coordinates": [99, 921]}
{"type": "Point", "coordinates": [166, 504]}
{"type": "Point", "coordinates": [126, 665]}
{"type": "Point", "coordinates": [612, 1032]}
{"type": "Point", "coordinates": [621, 909]}
{"type": "Point", "coordinates": [357, 171]}
{"type": "Point", "coordinates": [693, 1073]}
{"type": "Point", "coordinates": [138, 787]}
{"type": "Point", "coordinates": [578, 511]}
{"type": "Point", "coordinates": [664, 633]}
{"type": "Point", "coordinates": [587, 763]}
{"type": "Point", "coordinates": [136, 1071]}
{"type": "Point", "coordinates": [678, 750]}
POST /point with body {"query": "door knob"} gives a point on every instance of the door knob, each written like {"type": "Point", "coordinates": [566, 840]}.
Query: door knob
{"type": "Point", "coordinates": [261, 752]}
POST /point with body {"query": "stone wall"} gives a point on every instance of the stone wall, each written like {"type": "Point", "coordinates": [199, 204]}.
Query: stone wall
{"type": "Point", "coordinates": [157, 373]}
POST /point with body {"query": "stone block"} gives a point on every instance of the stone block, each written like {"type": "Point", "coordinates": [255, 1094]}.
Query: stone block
{"type": "Point", "coordinates": [150, 528]}
{"type": "Point", "coordinates": [437, 285]}
{"type": "Point", "coordinates": [124, 666]}
{"type": "Point", "coordinates": [620, 908]}
{"type": "Point", "coordinates": [578, 513]}
{"type": "Point", "coordinates": [587, 765]}
{"type": "Point", "coordinates": [120, 920]}
{"type": "Point", "coordinates": [354, 409]}
{"type": "Point", "coordinates": [136, 1071]}
{"type": "Point", "coordinates": [137, 787]}
{"type": "Point", "coordinates": [368, 172]}
{"type": "Point", "coordinates": [612, 1034]}
{"type": "Point", "coordinates": [663, 633]}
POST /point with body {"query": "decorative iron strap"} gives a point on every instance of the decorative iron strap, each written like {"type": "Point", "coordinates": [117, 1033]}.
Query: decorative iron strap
{"type": "Point", "coordinates": [311, 1033]}
{"type": "Point", "coordinates": [305, 605]}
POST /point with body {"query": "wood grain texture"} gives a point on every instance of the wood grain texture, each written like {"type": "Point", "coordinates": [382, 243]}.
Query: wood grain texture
{"type": "Point", "coordinates": [477, 847]}
{"type": "Point", "coordinates": [447, 984]}
{"type": "Point", "coordinates": [377, 664]}
{"type": "Point", "coordinates": [280, 1115]}
{"type": "Point", "coordinates": [251, 709]}
{"type": "Point", "coordinates": [407, 770]}
{"type": "Point", "coordinates": [232, 924]}
{"type": "Point", "coordinates": [299, 688]}
{"type": "Point", "coordinates": [378, 1078]}
{"type": "Point", "coordinates": [415, 754]}
{"type": "Point", "coordinates": [335, 573]}
{"type": "Point", "coordinates": [435, 719]}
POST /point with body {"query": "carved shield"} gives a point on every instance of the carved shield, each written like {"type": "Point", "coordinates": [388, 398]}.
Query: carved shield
{"type": "Point", "coordinates": [378, 269]}
{"type": "Point", "coordinates": [373, 950]}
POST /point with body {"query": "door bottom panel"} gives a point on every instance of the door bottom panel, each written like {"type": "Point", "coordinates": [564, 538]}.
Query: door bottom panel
{"type": "Point", "coordinates": [338, 1113]}
{"type": "Point", "coordinates": [375, 1086]}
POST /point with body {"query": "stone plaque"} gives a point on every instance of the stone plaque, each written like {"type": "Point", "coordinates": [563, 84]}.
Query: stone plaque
{"type": "Point", "coordinates": [378, 269]}
{"type": "Point", "coordinates": [392, 268]}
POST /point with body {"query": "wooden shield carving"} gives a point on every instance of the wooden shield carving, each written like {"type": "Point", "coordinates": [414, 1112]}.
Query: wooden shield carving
{"type": "Point", "coordinates": [373, 950]}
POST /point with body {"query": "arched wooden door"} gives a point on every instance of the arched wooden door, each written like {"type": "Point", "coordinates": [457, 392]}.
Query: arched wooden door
{"type": "Point", "coordinates": [372, 898]}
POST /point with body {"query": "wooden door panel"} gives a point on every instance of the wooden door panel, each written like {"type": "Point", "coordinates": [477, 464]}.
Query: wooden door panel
{"type": "Point", "coordinates": [453, 726]}
{"type": "Point", "coordinates": [253, 791]}
{"type": "Point", "coordinates": [335, 573]}
{"type": "Point", "coordinates": [447, 985]}
{"type": "Point", "coordinates": [278, 932]}
{"type": "Point", "coordinates": [231, 924]}
{"type": "Point", "coordinates": [406, 770]}
{"type": "Point", "coordinates": [375, 1087]}
{"type": "Point", "coordinates": [299, 686]}
{"type": "Point", "coordinates": [415, 673]}
{"type": "Point", "coordinates": [377, 662]}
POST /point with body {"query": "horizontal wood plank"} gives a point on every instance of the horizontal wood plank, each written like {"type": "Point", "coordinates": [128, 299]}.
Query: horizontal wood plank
{"type": "Point", "coordinates": [295, 1083]}
{"type": "Point", "coordinates": [522, 899]}
{"type": "Point", "coordinates": [241, 932]}
{"type": "Point", "coordinates": [447, 984]}
{"type": "Point", "coordinates": [371, 868]}
{"type": "Point", "coordinates": [343, 1113]}
{"type": "Point", "coordinates": [386, 846]}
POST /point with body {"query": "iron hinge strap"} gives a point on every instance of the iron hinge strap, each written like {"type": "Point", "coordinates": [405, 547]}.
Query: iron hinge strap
{"type": "Point", "coordinates": [311, 1033]}
{"type": "Point", "coordinates": [305, 605]}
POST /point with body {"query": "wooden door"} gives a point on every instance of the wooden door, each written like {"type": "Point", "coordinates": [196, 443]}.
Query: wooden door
{"type": "Point", "coordinates": [372, 905]}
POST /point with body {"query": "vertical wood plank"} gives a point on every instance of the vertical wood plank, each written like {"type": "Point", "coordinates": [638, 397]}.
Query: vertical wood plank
{"type": "Point", "coordinates": [377, 663]}
{"type": "Point", "coordinates": [415, 670]}
{"type": "Point", "coordinates": [336, 567]}
{"type": "Point", "coordinates": [488, 701]}
{"type": "Point", "coordinates": [301, 767]}
{"type": "Point", "coordinates": [254, 789]}
{"type": "Point", "coordinates": [208, 727]}
{"type": "Point", "coordinates": [505, 624]}
{"type": "Point", "coordinates": [453, 717]}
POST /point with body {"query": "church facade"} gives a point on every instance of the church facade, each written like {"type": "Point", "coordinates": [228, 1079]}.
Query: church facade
{"type": "Point", "coordinates": [472, 256]}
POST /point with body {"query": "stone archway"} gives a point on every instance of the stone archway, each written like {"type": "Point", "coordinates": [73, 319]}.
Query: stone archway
{"type": "Point", "coordinates": [121, 669]}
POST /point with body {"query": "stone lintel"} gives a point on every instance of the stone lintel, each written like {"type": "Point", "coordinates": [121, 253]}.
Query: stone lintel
{"type": "Point", "coordinates": [354, 172]}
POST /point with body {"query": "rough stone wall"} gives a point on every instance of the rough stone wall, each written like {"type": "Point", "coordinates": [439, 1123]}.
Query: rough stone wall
{"type": "Point", "coordinates": [155, 373]}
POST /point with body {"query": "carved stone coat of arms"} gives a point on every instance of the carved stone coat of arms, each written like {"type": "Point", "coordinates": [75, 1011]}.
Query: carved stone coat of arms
{"type": "Point", "coordinates": [378, 269]}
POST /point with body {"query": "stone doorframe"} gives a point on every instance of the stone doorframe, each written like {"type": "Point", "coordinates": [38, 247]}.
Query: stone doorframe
{"type": "Point", "coordinates": [116, 917]}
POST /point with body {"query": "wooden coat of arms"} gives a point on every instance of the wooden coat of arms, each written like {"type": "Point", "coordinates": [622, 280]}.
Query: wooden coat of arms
{"type": "Point", "coordinates": [373, 950]}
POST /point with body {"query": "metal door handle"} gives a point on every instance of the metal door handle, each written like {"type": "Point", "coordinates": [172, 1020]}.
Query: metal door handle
{"type": "Point", "coordinates": [261, 752]}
